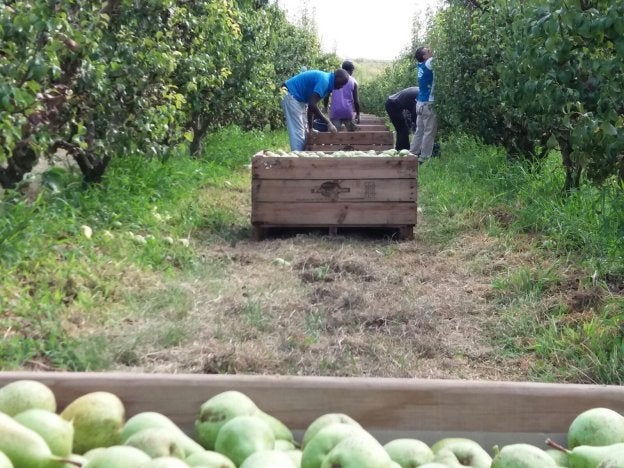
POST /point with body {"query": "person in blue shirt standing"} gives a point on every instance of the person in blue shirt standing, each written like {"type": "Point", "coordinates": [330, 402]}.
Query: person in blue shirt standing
{"type": "Point", "coordinates": [302, 94]}
{"type": "Point", "coordinates": [426, 118]}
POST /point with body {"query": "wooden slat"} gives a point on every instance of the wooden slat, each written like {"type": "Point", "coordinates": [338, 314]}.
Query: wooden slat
{"type": "Point", "coordinates": [374, 167]}
{"type": "Point", "coordinates": [396, 407]}
{"type": "Point", "coordinates": [341, 138]}
{"type": "Point", "coordinates": [349, 147]}
{"type": "Point", "coordinates": [363, 127]}
{"type": "Point", "coordinates": [366, 118]}
{"type": "Point", "coordinates": [338, 213]}
{"type": "Point", "coordinates": [331, 190]}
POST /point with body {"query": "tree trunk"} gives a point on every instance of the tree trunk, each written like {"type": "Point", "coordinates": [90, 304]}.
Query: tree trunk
{"type": "Point", "coordinates": [572, 170]}
{"type": "Point", "coordinates": [22, 160]}
{"type": "Point", "coordinates": [199, 132]}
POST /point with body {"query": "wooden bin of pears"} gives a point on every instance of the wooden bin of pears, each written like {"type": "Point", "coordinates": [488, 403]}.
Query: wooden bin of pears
{"type": "Point", "coordinates": [378, 140]}
{"type": "Point", "coordinates": [334, 192]}
{"type": "Point", "coordinates": [486, 411]}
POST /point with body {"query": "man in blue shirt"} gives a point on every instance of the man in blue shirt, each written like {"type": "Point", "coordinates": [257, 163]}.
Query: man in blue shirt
{"type": "Point", "coordinates": [426, 118]}
{"type": "Point", "coordinates": [302, 94]}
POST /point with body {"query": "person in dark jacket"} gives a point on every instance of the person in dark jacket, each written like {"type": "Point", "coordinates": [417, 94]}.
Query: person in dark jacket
{"type": "Point", "coordinates": [400, 107]}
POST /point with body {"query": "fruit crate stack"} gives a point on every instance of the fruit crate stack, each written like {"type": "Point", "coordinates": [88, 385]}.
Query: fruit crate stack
{"type": "Point", "coordinates": [372, 134]}
{"type": "Point", "coordinates": [335, 190]}
{"type": "Point", "coordinates": [192, 412]}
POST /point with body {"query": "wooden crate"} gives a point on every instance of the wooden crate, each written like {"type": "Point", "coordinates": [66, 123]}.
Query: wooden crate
{"type": "Point", "coordinates": [349, 141]}
{"type": "Point", "coordinates": [365, 127]}
{"type": "Point", "coordinates": [489, 412]}
{"type": "Point", "coordinates": [334, 192]}
{"type": "Point", "coordinates": [371, 119]}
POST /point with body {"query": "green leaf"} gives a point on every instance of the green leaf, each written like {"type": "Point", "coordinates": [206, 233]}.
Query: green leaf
{"type": "Point", "coordinates": [552, 142]}
{"type": "Point", "coordinates": [608, 129]}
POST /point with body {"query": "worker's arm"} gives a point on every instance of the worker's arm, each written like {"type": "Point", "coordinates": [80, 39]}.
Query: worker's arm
{"type": "Point", "coordinates": [313, 110]}
{"type": "Point", "coordinates": [356, 103]}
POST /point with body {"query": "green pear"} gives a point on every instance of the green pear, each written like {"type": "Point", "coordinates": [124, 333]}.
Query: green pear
{"type": "Point", "coordinates": [98, 419]}
{"type": "Point", "coordinates": [324, 421]}
{"type": "Point", "coordinates": [165, 462]}
{"type": "Point", "coordinates": [561, 458]}
{"type": "Point", "coordinates": [268, 459]}
{"type": "Point", "coordinates": [409, 453]}
{"type": "Point", "coordinates": [93, 452]}
{"type": "Point", "coordinates": [284, 444]}
{"type": "Point", "coordinates": [24, 447]}
{"type": "Point", "coordinates": [157, 442]}
{"type": "Point", "coordinates": [434, 465]}
{"type": "Point", "coordinates": [118, 456]}
{"type": "Point", "coordinates": [522, 456]}
{"type": "Point", "coordinates": [243, 435]}
{"type": "Point", "coordinates": [21, 395]}
{"type": "Point", "coordinates": [596, 426]}
{"type": "Point", "coordinates": [295, 456]}
{"type": "Point", "coordinates": [74, 460]}
{"type": "Point", "coordinates": [5, 462]}
{"type": "Point", "coordinates": [466, 453]}
{"type": "Point", "coordinates": [280, 430]}
{"type": "Point", "coordinates": [209, 459]}
{"type": "Point", "coordinates": [56, 431]}
{"type": "Point", "coordinates": [150, 419]}
{"type": "Point", "coordinates": [219, 409]}
{"type": "Point", "coordinates": [358, 451]}
{"type": "Point", "coordinates": [319, 446]}
{"type": "Point", "coordinates": [587, 456]}
{"type": "Point", "coordinates": [442, 443]}
{"type": "Point", "coordinates": [614, 459]}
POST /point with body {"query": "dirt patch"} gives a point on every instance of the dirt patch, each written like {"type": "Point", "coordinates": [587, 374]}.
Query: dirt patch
{"type": "Point", "coordinates": [344, 306]}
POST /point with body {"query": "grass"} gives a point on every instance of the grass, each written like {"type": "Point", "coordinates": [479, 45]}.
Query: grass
{"type": "Point", "coordinates": [567, 310]}
{"type": "Point", "coordinates": [143, 218]}
{"type": "Point", "coordinates": [562, 305]}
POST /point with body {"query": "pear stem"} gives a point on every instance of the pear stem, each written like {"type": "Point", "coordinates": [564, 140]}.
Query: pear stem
{"type": "Point", "coordinates": [551, 443]}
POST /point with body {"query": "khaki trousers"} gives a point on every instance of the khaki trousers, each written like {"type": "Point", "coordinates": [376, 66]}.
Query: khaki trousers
{"type": "Point", "coordinates": [426, 128]}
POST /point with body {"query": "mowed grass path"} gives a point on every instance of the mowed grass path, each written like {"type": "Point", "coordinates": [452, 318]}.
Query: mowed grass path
{"type": "Point", "coordinates": [505, 279]}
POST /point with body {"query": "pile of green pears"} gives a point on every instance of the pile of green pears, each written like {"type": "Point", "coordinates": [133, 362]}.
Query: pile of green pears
{"type": "Point", "coordinates": [231, 431]}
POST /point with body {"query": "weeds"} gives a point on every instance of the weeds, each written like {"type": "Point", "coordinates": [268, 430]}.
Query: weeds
{"type": "Point", "coordinates": [60, 288]}
{"type": "Point", "coordinates": [144, 218]}
{"type": "Point", "coordinates": [476, 182]}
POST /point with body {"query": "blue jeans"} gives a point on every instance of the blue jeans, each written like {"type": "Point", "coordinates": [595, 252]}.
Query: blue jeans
{"type": "Point", "coordinates": [296, 114]}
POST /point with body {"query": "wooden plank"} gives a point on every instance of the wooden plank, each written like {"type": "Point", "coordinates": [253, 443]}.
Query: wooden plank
{"type": "Point", "coordinates": [371, 127]}
{"type": "Point", "coordinates": [331, 190]}
{"type": "Point", "coordinates": [366, 118]}
{"type": "Point", "coordinates": [384, 137]}
{"type": "Point", "coordinates": [493, 411]}
{"type": "Point", "coordinates": [338, 213]}
{"type": "Point", "coordinates": [349, 147]}
{"type": "Point", "coordinates": [373, 167]}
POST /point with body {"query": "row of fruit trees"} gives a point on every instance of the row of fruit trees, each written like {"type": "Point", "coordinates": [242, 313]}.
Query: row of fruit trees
{"type": "Point", "coordinates": [103, 79]}
{"type": "Point", "coordinates": [531, 76]}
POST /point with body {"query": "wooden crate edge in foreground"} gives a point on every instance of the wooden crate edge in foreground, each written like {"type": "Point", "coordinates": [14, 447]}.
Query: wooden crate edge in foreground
{"type": "Point", "coordinates": [490, 412]}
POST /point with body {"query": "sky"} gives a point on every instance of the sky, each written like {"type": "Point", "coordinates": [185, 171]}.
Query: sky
{"type": "Point", "coordinates": [370, 29]}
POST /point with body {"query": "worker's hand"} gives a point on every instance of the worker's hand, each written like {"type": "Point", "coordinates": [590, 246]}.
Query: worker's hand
{"type": "Point", "coordinates": [332, 128]}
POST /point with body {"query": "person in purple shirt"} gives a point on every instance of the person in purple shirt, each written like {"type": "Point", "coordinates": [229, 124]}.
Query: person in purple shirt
{"type": "Point", "coordinates": [344, 102]}
{"type": "Point", "coordinates": [302, 94]}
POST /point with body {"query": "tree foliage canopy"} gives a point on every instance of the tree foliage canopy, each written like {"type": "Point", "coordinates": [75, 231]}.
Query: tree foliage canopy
{"type": "Point", "coordinates": [532, 75]}
{"type": "Point", "coordinates": [100, 80]}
